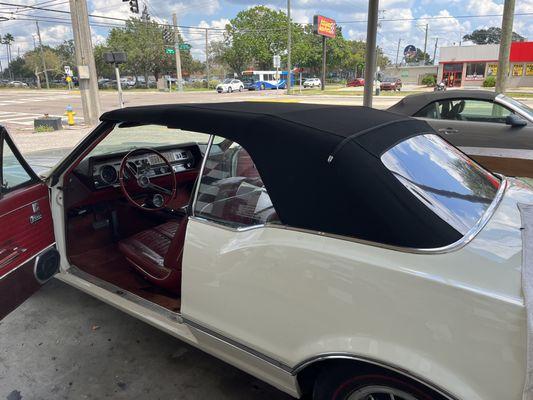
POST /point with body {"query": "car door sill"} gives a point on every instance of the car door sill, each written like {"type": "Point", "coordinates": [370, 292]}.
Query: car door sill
{"type": "Point", "coordinates": [156, 308]}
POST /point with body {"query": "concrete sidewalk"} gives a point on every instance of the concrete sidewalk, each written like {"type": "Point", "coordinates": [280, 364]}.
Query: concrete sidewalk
{"type": "Point", "coordinates": [64, 344]}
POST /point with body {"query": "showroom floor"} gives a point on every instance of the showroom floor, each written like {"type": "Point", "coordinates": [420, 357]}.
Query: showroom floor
{"type": "Point", "coordinates": [64, 344]}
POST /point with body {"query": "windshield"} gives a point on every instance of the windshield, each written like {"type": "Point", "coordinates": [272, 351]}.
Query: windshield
{"type": "Point", "coordinates": [525, 109]}
{"type": "Point", "coordinates": [227, 81]}
{"type": "Point", "coordinates": [389, 80]}
{"type": "Point", "coordinates": [451, 185]}
{"type": "Point", "coordinates": [144, 136]}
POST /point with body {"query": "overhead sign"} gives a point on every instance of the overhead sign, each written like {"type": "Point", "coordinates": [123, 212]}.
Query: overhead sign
{"type": "Point", "coordinates": [409, 51]}
{"type": "Point", "coordinates": [170, 50]}
{"type": "Point", "coordinates": [276, 61]}
{"type": "Point", "coordinates": [184, 46]}
{"type": "Point", "coordinates": [324, 26]}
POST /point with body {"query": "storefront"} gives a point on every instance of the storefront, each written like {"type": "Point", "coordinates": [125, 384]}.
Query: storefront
{"type": "Point", "coordinates": [463, 66]}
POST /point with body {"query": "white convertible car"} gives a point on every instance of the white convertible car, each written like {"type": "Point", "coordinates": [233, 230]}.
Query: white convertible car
{"type": "Point", "coordinates": [338, 253]}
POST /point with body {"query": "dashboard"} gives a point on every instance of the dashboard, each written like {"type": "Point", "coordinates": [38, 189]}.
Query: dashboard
{"type": "Point", "coordinates": [102, 171]}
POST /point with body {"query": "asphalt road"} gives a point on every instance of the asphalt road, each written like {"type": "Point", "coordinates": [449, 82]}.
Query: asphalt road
{"type": "Point", "coordinates": [18, 108]}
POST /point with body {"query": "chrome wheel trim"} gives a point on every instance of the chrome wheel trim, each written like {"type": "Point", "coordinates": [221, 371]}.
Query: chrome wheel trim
{"type": "Point", "coordinates": [372, 393]}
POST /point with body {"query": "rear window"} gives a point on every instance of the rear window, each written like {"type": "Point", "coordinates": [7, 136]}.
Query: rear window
{"type": "Point", "coordinates": [450, 184]}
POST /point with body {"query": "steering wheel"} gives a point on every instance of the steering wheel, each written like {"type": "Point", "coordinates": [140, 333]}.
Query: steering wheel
{"type": "Point", "coordinates": [133, 177]}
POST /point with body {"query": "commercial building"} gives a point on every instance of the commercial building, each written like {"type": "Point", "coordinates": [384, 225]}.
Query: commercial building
{"type": "Point", "coordinates": [464, 66]}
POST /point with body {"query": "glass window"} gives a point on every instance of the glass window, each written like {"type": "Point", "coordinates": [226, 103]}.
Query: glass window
{"type": "Point", "coordinates": [231, 191]}
{"type": "Point", "coordinates": [133, 137]}
{"type": "Point", "coordinates": [451, 185]}
{"type": "Point", "coordinates": [475, 71]}
{"type": "Point", "coordinates": [465, 110]}
{"type": "Point", "coordinates": [13, 173]}
{"type": "Point", "coordinates": [518, 69]}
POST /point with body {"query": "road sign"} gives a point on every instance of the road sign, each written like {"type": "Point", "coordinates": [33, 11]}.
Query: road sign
{"type": "Point", "coordinates": [68, 79]}
{"type": "Point", "coordinates": [276, 60]}
{"type": "Point", "coordinates": [184, 46]}
{"type": "Point", "coordinates": [170, 50]}
{"type": "Point", "coordinates": [68, 71]}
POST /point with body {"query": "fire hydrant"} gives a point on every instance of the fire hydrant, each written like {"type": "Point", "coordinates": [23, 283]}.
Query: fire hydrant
{"type": "Point", "coordinates": [70, 115]}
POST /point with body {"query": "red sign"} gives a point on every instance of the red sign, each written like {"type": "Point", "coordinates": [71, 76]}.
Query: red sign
{"type": "Point", "coordinates": [324, 26]}
{"type": "Point", "coordinates": [521, 52]}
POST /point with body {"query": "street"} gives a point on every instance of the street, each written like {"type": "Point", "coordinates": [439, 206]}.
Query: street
{"type": "Point", "coordinates": [18, 108]}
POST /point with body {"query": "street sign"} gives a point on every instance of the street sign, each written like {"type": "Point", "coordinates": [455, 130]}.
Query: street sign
{"type": "Point", "coordinates": [184, 46]}
{"type": "Point", "coordinates": [68, 71]}
{"type": "Point", "coordinates": [68, 79]}
{"type": "Point", "coordinates": [170, 50]}
{"type": "Point", "coordinates": [276, 60]}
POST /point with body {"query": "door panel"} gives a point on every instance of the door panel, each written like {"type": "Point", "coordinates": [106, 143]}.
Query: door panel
{"type": "Point", "coordinates": [27, 257]}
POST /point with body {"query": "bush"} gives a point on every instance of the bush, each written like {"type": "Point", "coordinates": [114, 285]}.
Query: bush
{"type": "Point", "coordinates": [490, 81]}
{"type": "Point", "coordinates": [429, 80]}
{"type": "Point", "coordinates": [213, 84]}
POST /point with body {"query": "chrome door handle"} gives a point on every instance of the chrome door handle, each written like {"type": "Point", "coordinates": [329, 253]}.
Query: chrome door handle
{"type": "Point", "coordinates": [448, 131]}
{"type": "Point", "coordinates": [8, 255]}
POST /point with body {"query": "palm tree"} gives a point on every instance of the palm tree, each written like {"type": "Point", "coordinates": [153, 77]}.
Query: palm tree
{"type": "Point", "coordinates": [7, 40]}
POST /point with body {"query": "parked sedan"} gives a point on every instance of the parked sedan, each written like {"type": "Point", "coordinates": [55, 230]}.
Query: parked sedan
{"type": "Point", "coordinates": [230, 85]}
{"type": "Point", "coordinates": [495, 130]}
{"type": "Point", "coordinates": [312, 82]}
{"type": "Point", "coordinates": [17, 84]}
{"type": "Point", "coordinates": [356, 82]}
{"type": "Point", "coordinates": [338, 253]}
{"type": "Point", "coordinates": [389, 83]}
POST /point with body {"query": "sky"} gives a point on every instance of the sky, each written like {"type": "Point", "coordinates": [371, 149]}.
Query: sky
{"type": "Point", "coordinates": [399, 19]}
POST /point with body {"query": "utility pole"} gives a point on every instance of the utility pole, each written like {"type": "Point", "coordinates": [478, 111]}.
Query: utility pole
{"type": "Point", "coordinates": [426, 44]}
{"type": "Point", "coordinates": [177, 51]}
{"type": "Point", "coordinates": [505, 46]}
{"type": "Point", "coordinates": [85, 61]}
{"type": "Point", "coordinates": [435, 50]}
{"type": "Point", "coordinates": [398, 51]}
{"type": "Point", "coordinates": [42, 55]}
{"type": "Point", "coordinates": [289, 47]}
{"type": "Point", "coordinates": [370, 56]}
{"type": "Point", "coordinates": [207, 56]}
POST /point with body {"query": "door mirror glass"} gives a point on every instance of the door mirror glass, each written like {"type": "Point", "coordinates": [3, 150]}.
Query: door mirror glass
{"type": "Point", "coordinates": [515, 121]}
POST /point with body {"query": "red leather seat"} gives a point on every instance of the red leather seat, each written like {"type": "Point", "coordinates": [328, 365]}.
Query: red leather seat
{"type": "Point", "coordinates": [157, 253]}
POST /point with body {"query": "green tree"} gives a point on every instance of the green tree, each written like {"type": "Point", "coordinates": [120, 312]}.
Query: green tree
{"type": "Point", "coordinates": [33, 61]}
{"type": "Point", "coordinates": [66, 53]}
{"type": "Point", "coordinates": [492, 35]}
{"type": "Point", "coordinates": [19, 69]}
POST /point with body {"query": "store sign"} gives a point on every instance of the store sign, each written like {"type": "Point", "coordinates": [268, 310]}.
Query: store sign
{"type": "Point", "coordinates": [529, 69]}
{"type": "Point", "coordinates": [324, 26]}
{"type": "Point", "coordinates": [409, 52]}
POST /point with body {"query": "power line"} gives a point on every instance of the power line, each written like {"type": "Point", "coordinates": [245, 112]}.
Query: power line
{"type": "Point", "coordinates": [434, 18]}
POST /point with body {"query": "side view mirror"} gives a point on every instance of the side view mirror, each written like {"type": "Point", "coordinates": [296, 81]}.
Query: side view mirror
{"type": "Point", "coordinates": [515, 121]}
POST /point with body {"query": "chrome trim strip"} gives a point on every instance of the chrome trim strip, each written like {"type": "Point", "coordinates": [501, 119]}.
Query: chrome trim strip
{"type": "Point", "coordinates": [237, 345]}
{"type": "Point", "coordinates": [28, 260]}
{"type": "Point", "coordinates": [173, 316]}
{"type": "Point", "coordinates": [467, 238]}
{"type": "Point", "coordinates": [500, 99]}
{"type": "Point", "coordinates": [200, 173]}
{"type": "Point", "coordinates": [325, 356]}
{"type": "Point", "coordinates": [346, 356]}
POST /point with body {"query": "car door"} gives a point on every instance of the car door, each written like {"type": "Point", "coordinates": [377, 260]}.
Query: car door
{"type": "Point", "coordinates": [480, 129]}
{"type": "Point", "coordinates": [27, 254]}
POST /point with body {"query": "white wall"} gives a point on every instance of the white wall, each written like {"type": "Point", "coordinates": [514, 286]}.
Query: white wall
{"type": "Point", "coordinates": [487, 52]}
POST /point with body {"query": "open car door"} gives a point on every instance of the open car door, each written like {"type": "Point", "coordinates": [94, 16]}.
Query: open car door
{"type": "Point", "coordinates": [28, 257]}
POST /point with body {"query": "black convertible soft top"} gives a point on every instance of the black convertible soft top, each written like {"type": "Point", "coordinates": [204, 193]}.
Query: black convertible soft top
{"type": "Point", "coordinates": [320, 163]}
{"type": "Point", "coordinates": [411, 104]}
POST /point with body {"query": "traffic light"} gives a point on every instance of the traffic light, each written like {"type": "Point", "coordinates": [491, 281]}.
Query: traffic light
{"type": "Point", "coordinates": [134, 6]}
{"type": "Point", "coordinates": [168, 36]}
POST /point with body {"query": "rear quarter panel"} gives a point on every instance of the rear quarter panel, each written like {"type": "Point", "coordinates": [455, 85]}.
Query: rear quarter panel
{"type": "Point", "coordinates": [455, 319]}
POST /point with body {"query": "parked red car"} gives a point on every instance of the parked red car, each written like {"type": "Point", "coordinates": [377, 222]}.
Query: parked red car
{"type": "Point", "coordinates": [391, 84]}
{"type": "Point", "coordinates": [356, 82]}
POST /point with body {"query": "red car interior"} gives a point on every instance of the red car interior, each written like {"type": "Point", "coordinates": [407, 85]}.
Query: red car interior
{"type": "Point", "coordinates": [141, 252]}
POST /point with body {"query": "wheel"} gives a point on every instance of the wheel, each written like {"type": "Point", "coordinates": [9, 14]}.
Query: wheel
{"type": "Point", "coordinates": [241, 88]}
{"type": "Point", "coordinates": [230, 90]}
{"type": "Point", "coordinates": [350, 383]}
{"type": "Point", "coordinates": [262, 86]}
